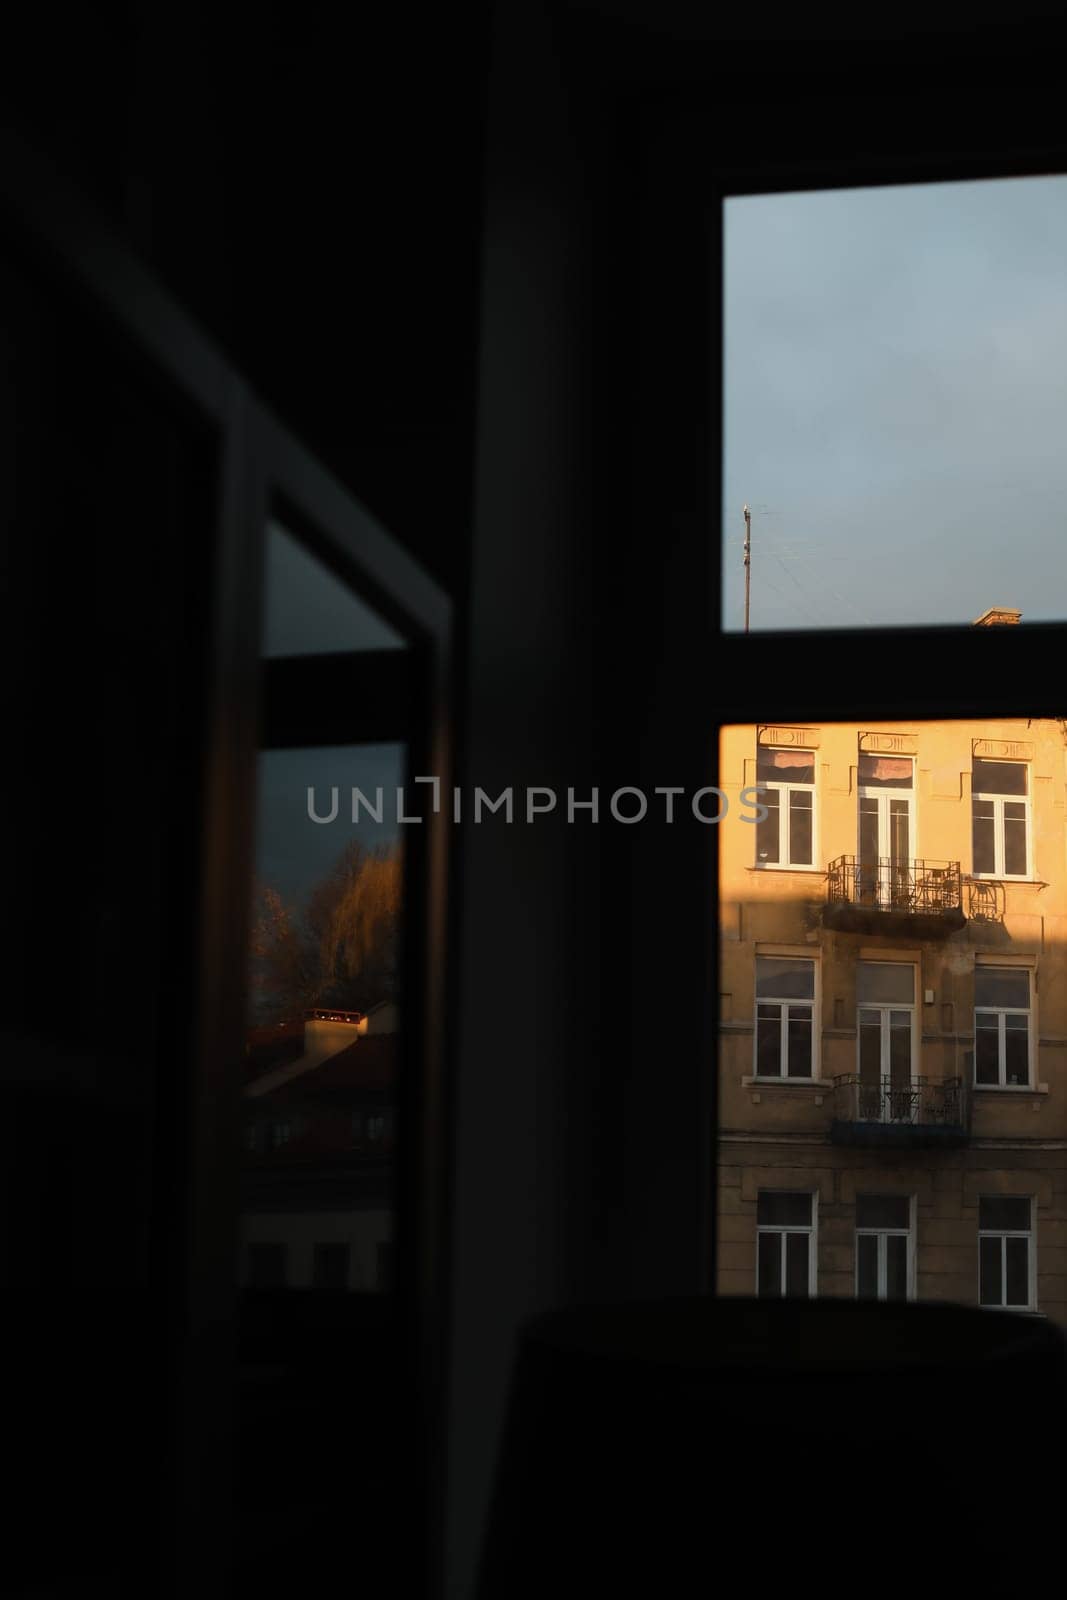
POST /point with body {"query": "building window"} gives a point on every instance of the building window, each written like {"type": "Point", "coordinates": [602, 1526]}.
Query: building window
{"type": "Point", "coordinates": [785, 1017]}
{"type": "Point", "coordinates": [883, 1247]}
{"type": "Point", "coordinates": [886, 830]}
{"type": "Point", "coordinates": [885, 994]}
{"type": "Point", "coordinates": [329, 1268]}
{"type": "Point", "coordinates": [785, 1246]}
{"type": "Point", "coordinates": [1002, 1026]}
{"type": "Point", "coordinates": [266, 1266]}
{"type": "Point", "coordinates": [1000, 808]}
{"type": "Point", "coordinates": [1005, 1252]}
{"type": "Point", "coordinates": [786, 780]}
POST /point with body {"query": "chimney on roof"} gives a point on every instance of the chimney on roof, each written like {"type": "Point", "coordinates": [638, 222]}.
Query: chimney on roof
{"type": "Point", "coordinates": [997, 617]}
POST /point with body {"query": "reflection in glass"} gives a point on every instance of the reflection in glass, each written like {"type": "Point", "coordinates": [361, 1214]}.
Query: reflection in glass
{"type": "Point", "coordinates": [321, 1062]}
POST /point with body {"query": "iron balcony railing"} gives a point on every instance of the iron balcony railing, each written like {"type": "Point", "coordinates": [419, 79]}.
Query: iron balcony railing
{"type": "Point", "coordinates": [914, 1102]}
{"type": "Point", "coordinates": [916, 888]}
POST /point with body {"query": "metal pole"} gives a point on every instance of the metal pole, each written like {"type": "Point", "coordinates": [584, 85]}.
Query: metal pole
{"type": "Point", "coordinates": [748, 560]}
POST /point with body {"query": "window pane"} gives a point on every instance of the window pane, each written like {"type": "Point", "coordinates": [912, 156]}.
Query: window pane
{"type": "Point", "coordinates": [870, 1068]}
{"type": "Point", "coordinates": [1016, 1047]}
{"type": "Point", "coordinates": [801, 813]}
{"type": "Point", "coordinates": [899, 830]}
{"type": "Point", "coordinates": [1015, 838]}
{"type": "Point", "coordinates": [800, 1028]}
{"type": "Point", "coordinates": [900, 1065]}
{"type": "Point", "coordinates": [986, 1048]}
{"type": "Point", "coordinates": [1018, 1271]}
{"type": "Point", "coordinates": [998, 777]}
{"type": "Point", "coordinates": [896, 1267]}
{"type": "Point", "coordinates": [768, 831]}
{"type": "Point", "coordinates": [779, 978]}
{"type": "Point", "coordinates": [783, 1210]}
{"type": "Point", "coordinates": [797, 1256]}
{"type": "Point", "coordinates": [867, 1266]}
{"type": "Point", "coordinates": [885, 982]}
{"type": "Point", "coordinates": [769, 1042]}
{"type": "Point", "coordinates": [997, 1211]}
{"type": "Point", "coordinates": [990, 1277]}
{"type": "Point", "coordinates": [983, 840]}
{"type": "Point", "coordinates": [309, 611]}
{"type": "Point", "coordinates": [886, 772]}
{"type": "Point", "coordinates": [784, 766]}
{"type": "Point", "coordinates": [882, 1211]}
{"type": "Point", "coordinates": [892, 384]}
{"type": "Point", "coordinates": [1001, 986]}
{"type": "Point", "coordinates": [769, 1265]}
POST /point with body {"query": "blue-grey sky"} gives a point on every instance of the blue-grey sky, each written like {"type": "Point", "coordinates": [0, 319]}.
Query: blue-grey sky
{"type": "Point", "coordinates": [895, 401]}
{"type": "Point", "coordinates": [308, 611]}
{"type": "Point", "coordinates": [293, 853]}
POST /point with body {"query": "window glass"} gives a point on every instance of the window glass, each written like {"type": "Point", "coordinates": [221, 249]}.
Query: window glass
{"type": "Point", "coordinates": [998, 777]}
{"type": "Point", "coordinates": [892, 396]}
{"type": "Point", "coordinates": [781, 978]}
{"type": "Point", "coordinates": [882, 1211]}
{"type": "Point", "coordinates": [784, 1210]}
{"type": "Point", "coordinates": [1001, 986]}
{"type": "Point", "coordinates": [886, 772]}
{"type": "Point", "coordinates": [883, 982]}
{"type": "Point", "coordinates": [309, 612]}
{"type": "Point", "coordinates": [785, 766]}
{"type": "Point", "coordinates": [923, 1052]}
{"type": "Point", "coordinates": [1004, 1214]}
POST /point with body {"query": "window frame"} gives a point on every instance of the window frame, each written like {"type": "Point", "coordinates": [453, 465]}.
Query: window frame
{"type": "Point", "coordinates": [908, 1233]}
{"type": "Point", "coordinates": [869, 791]}
{"type": "Point", "coordinates": [783, 1050]}
{"type": "Point", "coordinates": [1004, 1234]}
{"type": "Point", "coordinates": [1002, 1012]}
{"type": "Point", "coordinates": [884, 1008]}
{"type": "Point", "coordinates": [811, 1231]}
{"type": "Point", "coordinates": [999, 840]}
{"type": "Point", "coordinates": [784, 811]}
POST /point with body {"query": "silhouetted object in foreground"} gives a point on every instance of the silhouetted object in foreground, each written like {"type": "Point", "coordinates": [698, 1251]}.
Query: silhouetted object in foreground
{"type": "Point", "coordinates": [690, 1445]}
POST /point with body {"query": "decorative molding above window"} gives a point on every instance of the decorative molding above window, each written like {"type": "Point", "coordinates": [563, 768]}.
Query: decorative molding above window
{"type": "Point", "coordinates": [901, 744]}
{"type": "Point", "coordinates": [1003, 749]}
{"type": "Point", "coordinates": [806, 737]}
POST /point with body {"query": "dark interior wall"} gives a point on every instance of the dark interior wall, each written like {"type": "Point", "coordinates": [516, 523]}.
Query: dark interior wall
{"type": "Point", "coordinates": [306, 179]}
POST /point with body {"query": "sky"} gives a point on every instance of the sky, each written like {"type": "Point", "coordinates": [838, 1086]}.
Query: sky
{"type": "Point", "coordinates": [309, 611]}
{"type": "Point", "coordinates": [895, 404]}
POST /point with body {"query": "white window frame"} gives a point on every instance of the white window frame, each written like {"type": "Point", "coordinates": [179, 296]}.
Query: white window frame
{"type": "Point", "coordinates": [998, 800]}
{"type": "Point", "coordinates": [881, 1234]}
{"type": "Point", "coordinates": [1001, 1012]}
{"type": "Point", "coordinates": [783, 1019]}
{"type": "Point", "coordinates": [811, 1231]}
{"type": "Point", "coordinates": [879, 792]}
{"type": "Point", "coordinates": [884, 1008]}
{"type": "Point", "coordinates": [784, 791]}
{"type": "Point", "coordinates": [1004, 1234]}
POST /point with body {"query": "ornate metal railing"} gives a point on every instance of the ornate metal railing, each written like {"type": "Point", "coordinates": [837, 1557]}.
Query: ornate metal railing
{"type": "Point", "coordinates": [918, 888]}
{"type": "Point", "coordinates": [915, 1102]}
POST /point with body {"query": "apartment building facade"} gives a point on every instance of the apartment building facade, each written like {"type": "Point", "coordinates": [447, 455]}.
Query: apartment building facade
{"type": "Point", "coordinates": [893, 1012]}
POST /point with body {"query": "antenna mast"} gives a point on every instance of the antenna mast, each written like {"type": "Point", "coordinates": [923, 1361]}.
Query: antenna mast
{"type": "Point", "coordinates": [748, 560]}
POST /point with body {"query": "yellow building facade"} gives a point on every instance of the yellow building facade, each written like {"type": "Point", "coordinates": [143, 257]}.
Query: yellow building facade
{"type": "Point", "coordinates": [893, 1012]}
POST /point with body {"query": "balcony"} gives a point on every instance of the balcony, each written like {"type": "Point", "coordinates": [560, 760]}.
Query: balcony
{"type": "Point", "coordinates": [916, 1112]}
{"type": "Point", "coordinates": [922, 899]}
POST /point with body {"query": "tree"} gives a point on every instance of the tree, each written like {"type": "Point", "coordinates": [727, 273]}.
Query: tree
{"type": "Point", "coordinates": [342, 949]}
